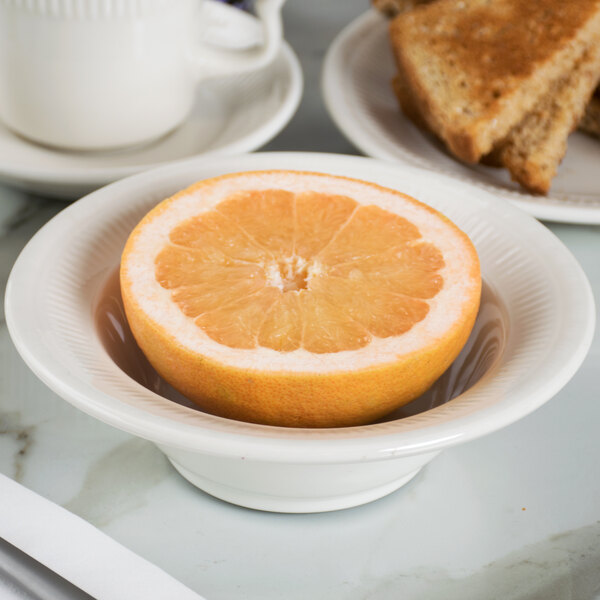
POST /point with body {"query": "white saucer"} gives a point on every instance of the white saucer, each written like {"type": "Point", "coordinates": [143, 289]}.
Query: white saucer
{"type": "Point", "coordinates": [356, 85]}
{"type": "Point", "coordinates": [231, 116]}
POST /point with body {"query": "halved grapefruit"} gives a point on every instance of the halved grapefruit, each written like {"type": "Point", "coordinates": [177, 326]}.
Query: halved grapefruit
{"type": "Point", "coordinates": [299, 299]}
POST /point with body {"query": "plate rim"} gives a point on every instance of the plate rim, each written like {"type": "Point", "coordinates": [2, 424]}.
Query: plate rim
{"type": "Point", "coordinates": [334, 94]}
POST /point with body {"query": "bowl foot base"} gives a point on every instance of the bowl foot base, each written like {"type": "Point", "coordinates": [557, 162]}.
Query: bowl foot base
{"type": "Point", "coordinates": [290, 504]}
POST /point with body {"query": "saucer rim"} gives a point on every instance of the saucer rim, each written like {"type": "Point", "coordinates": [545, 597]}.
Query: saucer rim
{"type": "Point", "coordinates": [101, 176]}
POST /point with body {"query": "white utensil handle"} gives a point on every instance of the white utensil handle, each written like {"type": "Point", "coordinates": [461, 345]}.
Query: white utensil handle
{"type": "Point", "coordinates": [222, 61]}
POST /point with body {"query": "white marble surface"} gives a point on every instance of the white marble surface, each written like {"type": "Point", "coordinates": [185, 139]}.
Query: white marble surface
{"type": "Point", "coordinates": [515, 515]}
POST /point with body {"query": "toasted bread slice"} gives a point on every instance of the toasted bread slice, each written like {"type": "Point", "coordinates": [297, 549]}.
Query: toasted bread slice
{"type": "Point", "coordinates": [535, 148]}
{"type": "Point", "coordinates": [590, 123]}
{"type": "Point", "coordinates": [475, 68]}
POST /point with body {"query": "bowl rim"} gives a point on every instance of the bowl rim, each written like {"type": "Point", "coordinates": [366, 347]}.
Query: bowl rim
{"type": "Point", "coordinates": [217, 436]}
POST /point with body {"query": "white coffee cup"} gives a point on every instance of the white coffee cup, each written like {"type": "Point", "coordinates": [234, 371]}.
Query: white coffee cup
{"type": "Point", "coordinates": [99, 74]}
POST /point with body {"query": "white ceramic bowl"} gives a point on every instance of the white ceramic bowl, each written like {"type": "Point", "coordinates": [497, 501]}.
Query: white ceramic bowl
{"type": "Point", "coordinates": [546, 301]}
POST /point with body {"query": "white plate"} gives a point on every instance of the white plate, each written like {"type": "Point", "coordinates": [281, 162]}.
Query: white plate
{"type": "Point", "coordinates": [230, 116]}
{"type": "Point", "coordinates": [356, 85]}
{"type": "Point", "coordinates": [546, 299]}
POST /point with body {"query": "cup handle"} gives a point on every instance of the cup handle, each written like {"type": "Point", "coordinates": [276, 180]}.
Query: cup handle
{"type": "Point", "coordinates": [213, 60]}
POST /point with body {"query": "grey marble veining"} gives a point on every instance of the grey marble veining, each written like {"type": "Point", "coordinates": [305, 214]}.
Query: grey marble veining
{"type": "Point", "coordinates": [560, 567]}
{"type": "Point", "coordinates": [21, 438]}
{"type": "Point", "coordinates": [514, 515]}
{"type": "Point", "coordinates": [118, 481]}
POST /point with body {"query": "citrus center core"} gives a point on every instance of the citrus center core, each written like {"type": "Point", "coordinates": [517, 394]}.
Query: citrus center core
{"type": "Point", "coordinates": [292, 274]}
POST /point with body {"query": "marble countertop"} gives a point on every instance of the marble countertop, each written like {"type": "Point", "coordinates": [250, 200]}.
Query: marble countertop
{"type": "Point", "coordinates": [515, 515]}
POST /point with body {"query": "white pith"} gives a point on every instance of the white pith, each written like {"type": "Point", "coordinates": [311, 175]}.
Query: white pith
{"type": "Point", "coordinates": [155, 301]}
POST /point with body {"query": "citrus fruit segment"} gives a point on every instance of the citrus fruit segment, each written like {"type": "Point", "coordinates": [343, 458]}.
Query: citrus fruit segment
{"type": "Point", "coordinates": [318, 218]}
{"type": "Point", "coordinates": [282, 327]}
{"type": "Point", "coordinates": [299, 299]}
{"type": "Point", "coordinates": [247, 209]}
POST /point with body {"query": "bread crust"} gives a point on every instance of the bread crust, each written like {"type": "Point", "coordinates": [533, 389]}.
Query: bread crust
{"type": "Point", "coordinates": [537, 145]}
{"type": "Point", "coordinates": [391, 8]}
{"type": "Point", "coordinates": [590, 123]}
